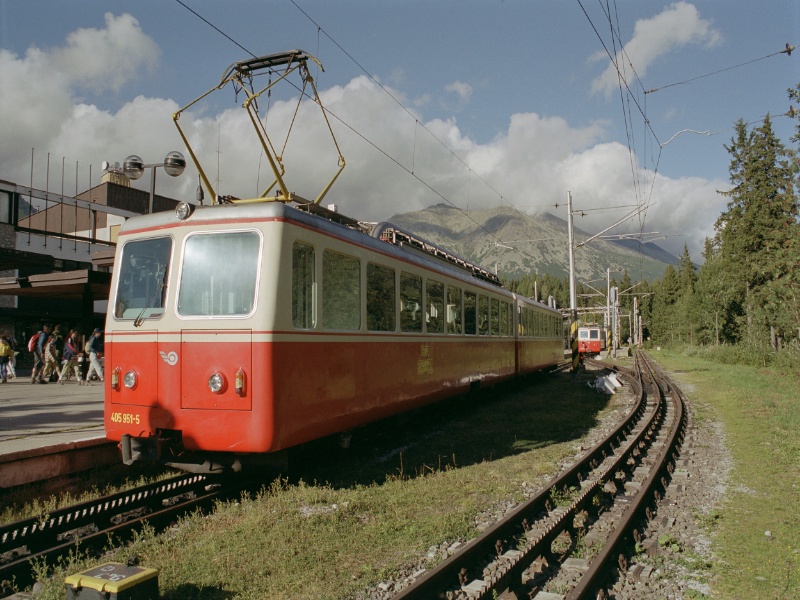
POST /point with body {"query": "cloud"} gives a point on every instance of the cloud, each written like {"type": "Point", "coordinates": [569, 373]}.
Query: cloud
{"type": "Point", "coordinates": [43, 108]}
{"type": "Point", "coordinates": [396, 161]}
{"type": "Point", "coordinates": [676, 26]}
{"type": "Point", "coordinates": [101, 59]}
{"type": "Point", "coordinates": [462, 90]}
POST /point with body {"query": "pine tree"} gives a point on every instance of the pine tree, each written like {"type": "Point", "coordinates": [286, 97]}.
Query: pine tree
{"type": "Point", "coordinates": [714, 299]}
{"type": "Point", "coordinates": [760, 220]}
{"type": "Point", "coordinates": [665, 325]}
{"type": "Point", "coordinates": [688, 274]}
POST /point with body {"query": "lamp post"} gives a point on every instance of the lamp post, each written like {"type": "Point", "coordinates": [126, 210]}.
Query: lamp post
{"type": "Point", "coordinates": [174, 164]}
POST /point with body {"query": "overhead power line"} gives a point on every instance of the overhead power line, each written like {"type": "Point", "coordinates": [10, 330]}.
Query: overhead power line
{"type": "Point", "coordinates": [370, 142]}
{"type": "Point", "coordinates": [642, 205]}
{"type": "Point", "coordinates": [787, 51]}
{"type": "Point", "coordinates": [217, 29]}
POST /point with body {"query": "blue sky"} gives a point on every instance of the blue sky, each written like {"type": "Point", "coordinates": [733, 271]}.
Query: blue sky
{"type": "Point", "coordinates": [520, 91]}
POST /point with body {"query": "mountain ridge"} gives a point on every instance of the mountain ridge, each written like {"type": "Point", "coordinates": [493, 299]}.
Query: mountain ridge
{"type": "Point", "coordinates": [515, 244]}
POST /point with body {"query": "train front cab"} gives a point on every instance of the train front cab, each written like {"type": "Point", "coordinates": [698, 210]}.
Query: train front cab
{"type": "Point", "coordinates": [182, 343]}
{"type": "Point", "coordinates": [591, 340]}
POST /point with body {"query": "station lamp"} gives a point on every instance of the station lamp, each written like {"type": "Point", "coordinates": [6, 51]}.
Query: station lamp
{"type": "Point", "coordinates": [174, 164]}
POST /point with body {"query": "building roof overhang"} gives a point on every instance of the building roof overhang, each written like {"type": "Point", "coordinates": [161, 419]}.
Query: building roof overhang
{"type": "Point", "coordinates": [67, 284]}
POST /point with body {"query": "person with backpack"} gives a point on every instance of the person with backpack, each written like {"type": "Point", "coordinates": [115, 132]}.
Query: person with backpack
{"type": "Point", "coordinates": [94, 348]}
{"type": "Point", "coordinates": [71, 354]}
{"type": "Point", "coordinates": [52, 354]}
{"type": "Point", "coordinates": [50, 358]}
{"type": "Point", "coordinates": [38, 353]}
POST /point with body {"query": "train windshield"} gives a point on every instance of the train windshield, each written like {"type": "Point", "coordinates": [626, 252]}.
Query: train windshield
{"type": "Point", "coordinates": [143, 271]}
{"type": "Point", "coordinates": [219, 276]}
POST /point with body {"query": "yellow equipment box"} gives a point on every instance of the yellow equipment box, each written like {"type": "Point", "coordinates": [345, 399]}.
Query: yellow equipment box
{"type": "Point", "coordinates": [113, 581]}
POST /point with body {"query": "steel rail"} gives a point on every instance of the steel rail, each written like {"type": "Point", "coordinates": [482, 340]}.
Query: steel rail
{"type": "Point", "coordinates": [592, 583]}
{"type": "Point", "coordinates": [90, 523]}
{"type": "Point", "coordinates": [448, 575]}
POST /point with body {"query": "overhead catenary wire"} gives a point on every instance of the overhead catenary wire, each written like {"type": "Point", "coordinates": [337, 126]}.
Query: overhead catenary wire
{"type": "Point", "coordinates": [364, 137]}
{"type": "Point", "coordinates": [644, 196]}
{"type": "Point", "coordinates": [214, 27]}
{"type": "Point", "coordinates": [394, 98]}
{"type": "Point", "coordinates": [787, 50]}
{"type": "Point", "coordinates": [417, 123]}
{"type": "Point", "coordinates": [411, 171]}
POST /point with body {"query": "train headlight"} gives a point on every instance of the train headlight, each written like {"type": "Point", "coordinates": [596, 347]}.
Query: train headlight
{"type": "Point", "coordinates": [130, 380]}
{"type": "Point", "coordinates": [184, 210]}
{"type": "Point", "coordinates": [216, 383]}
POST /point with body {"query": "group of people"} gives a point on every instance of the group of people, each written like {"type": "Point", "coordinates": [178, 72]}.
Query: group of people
{"type": "Point", "coordinates": [55, 355]}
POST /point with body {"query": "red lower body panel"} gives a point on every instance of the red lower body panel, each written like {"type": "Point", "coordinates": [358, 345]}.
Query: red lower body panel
{"type": "Point", "coordinates": [296, 391]}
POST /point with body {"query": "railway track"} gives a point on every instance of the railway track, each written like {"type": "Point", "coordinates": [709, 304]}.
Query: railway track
{"type": "Point", "coordinates": [557, 541]}
{"type": "Point", "coordinates": [94, 522]}
{"type": "Point", "coordinates": [580, 546]}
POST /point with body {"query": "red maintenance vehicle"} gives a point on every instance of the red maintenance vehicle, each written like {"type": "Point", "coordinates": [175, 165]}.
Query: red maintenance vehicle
{"type": "Point", "coordinates": [591, 340]}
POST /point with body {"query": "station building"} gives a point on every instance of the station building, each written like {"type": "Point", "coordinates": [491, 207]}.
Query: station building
{"type": "Point", "coordinates": [56, 253]}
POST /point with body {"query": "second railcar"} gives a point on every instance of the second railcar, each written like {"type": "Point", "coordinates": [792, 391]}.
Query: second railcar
{"type": "Point", "coordinates": [591, 340]}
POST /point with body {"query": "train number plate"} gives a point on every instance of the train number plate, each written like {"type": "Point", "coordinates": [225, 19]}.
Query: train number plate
{"type": "Point", "coordinates": [125, 418]}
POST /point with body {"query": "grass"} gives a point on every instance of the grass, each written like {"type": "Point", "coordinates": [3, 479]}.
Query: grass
{"type": "Point", "coordinates": [760, 411]}
{"type": "Point", "coordinates": [350, 520]}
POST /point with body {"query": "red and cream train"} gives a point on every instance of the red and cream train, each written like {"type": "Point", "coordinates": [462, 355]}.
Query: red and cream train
{"type": "Point", "coordinates": [237, 330]}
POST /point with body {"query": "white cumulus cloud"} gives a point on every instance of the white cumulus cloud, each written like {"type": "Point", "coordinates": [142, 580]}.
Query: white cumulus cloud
{"type": "Point", "coordinates": [676, 26]}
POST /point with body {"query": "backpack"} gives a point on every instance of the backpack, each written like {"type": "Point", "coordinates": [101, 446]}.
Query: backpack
{"type": "Point", "coordinates": [32, 342]}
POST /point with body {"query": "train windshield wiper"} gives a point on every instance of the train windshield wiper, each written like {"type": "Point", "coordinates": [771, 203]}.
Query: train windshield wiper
{"type": "Point", "coordinates": [137, 322]}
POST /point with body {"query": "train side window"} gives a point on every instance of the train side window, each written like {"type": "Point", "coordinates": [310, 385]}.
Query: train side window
{"type": "Point", "coordinates": [434, 300]}
{"type": "Point", "coordinates": [495, 304]}
{"type": "Point", "coordinates": [220, 274]}
{"type": "Point", "coordinates": [410, 302]}
{"type": "Point", "coordinates": [341, 291]}
{"type": "Point", "coordinates": [529, 321]}
{"type": "Point", "coordinates": [454, 310]}
{"type": "Point", "coordinates": [483, 315]}
{"type": "Point", "coordinates": [143, 277]}
{"type": "Point", "coordinates": [470, 327]}
{"type": "Point", "coordinates": [536, 319]}
{"type": "Point", "coordinates": [302, 286]}
{"type": "Point", "coordinates": [503, 318]}
{"type": "Point", "coordinates": [380, 298]}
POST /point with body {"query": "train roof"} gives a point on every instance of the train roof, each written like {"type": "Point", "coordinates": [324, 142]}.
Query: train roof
{"type": "Point", "coordinates": [383, 237]}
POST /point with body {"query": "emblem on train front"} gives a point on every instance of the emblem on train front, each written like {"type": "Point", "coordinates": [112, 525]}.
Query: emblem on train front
{"type": "Point", "coordinates": [171, 359]}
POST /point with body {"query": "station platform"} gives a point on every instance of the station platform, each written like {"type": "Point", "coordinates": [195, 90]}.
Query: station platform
{"type": "Point", "coordinates": [41, 422]}
{"type": "Point", "coordinates": [37, 415]}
